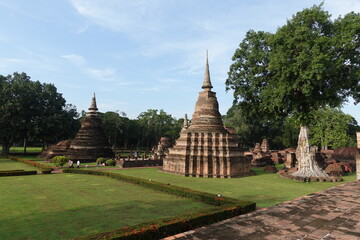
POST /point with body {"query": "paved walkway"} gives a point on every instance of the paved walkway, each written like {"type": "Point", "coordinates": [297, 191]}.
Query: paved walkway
{"type": "Point", "coordinates": [330, 214]}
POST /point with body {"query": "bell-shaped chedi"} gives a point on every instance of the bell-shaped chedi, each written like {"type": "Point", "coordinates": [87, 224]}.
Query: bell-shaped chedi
{"type": "Point", "coordinates": [90, 142]}
{"type": "Point", "coordinates": [205, 147]}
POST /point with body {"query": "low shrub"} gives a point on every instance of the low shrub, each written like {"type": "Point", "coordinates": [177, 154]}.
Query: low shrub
{"type": "Point", "coordinates": [16, 173]}
{"type": "Point", "coordinates": [44, 168]}
{"type": "Point", "coordinates": [101, 160]}
{"type": "Point", "coordinates": [222, 208]}
{"type": "Point", "coordinates": [110, 162]}
{"type": "Point", "coordinates": [59, 161]}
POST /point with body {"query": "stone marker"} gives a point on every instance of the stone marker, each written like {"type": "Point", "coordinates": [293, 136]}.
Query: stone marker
{"type": "Point", "coordinates": [205, 148]}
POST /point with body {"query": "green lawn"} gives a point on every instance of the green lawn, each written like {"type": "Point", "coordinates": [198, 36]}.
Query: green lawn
{"type": "Point", "coordinates": [21, 149]}
{"type": "Point", "coordinates": [62, 206]}
{"type": "Point", "coordinates": [265, 189]}
{"type": "Point", "coordinates": [8, 164]}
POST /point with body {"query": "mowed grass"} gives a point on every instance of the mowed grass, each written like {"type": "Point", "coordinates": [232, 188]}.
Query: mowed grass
{"type": "Point", "coordinates": [266, 189]}
{"type": "Point", "coordinates": [21, 149]}
{"type": "Point", "coordinates": [8, 164]}
{"type": "Point", "coordinates": [63, 206]}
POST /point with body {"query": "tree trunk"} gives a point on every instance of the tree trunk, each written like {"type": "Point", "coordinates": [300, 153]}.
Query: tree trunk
{"type": "Point", "coordinates": [307, 166]}
{"type": "Point", "coordinates": [25, 144]}
{"type": "Point", "coordinates": [5, 149]}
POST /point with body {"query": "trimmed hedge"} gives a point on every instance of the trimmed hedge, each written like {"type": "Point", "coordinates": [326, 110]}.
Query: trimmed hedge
{"type": "Point", "coordinates": [44, 168]}
{"type": "Point", "coordinates": [16, 170]}
{"type": "Point", "coordinates": [16, 173]}
{"type": "Point", "coordinates": [223, 208]}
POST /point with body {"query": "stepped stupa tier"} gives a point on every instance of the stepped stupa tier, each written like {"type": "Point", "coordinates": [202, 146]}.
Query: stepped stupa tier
{"type": "Point", "coordinates": [90, 142]}
{"type": "Point", "coordinates": [205, 148]}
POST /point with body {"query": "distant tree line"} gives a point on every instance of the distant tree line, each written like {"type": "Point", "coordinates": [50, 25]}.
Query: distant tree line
{"type": "Point", "coordinates": [143, 132]}
{"type": "Point", "coordinates": [35, 114]}
{"type": "Point", "coordinates": [330, 129]}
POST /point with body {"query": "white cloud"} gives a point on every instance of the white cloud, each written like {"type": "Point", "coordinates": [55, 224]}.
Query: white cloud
{"type": "Point", "coordinates": [128, 83]}
{"type": "Point", "coordinates": [107, 74]}
{"type": "Point", "coordinates": [75, 59]}
{"type": "Point", "coordinates": [150, 89]}
{"type": "Point", "coordinates": [13, 60]}
{"type": "Point", "coordinates": [341, 7]}
{"type": "Point", "coordinates": [169, 80]}
{"type": "Point", "coordinates": [129, 17]}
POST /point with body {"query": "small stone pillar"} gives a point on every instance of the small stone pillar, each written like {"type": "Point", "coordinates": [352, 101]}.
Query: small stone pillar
{"type": "Point", "coordinates": [265, 146]}
{"type": "Point", "coordinates": [290, 160]}
{"type": "Point", "coordinates": [358, 157]}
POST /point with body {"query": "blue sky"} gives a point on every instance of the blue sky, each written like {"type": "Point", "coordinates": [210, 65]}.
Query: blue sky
{"type": "Point", "coordinates": [138, 54]}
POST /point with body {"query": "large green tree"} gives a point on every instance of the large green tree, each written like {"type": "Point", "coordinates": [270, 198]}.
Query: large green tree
{"type": "Point", "coordinates": [32, 110]}
{"type": "Point", "coordinates": [332, 128]}
{"type": "Point", "coordinates": [309, 63]}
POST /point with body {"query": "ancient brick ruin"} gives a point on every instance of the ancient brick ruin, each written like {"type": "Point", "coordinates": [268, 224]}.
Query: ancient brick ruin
{"type": "Point", "coordinates": [90, 142]}
{"type": "Point", "coordinates": [57, 149]}
{"type": "Point", "coordinates": [205, 148]}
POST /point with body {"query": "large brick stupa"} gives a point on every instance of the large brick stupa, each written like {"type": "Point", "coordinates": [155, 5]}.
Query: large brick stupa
{"type": "Point", "coordinates": [90, 142]}
{"type": "Point", "coordinates": [205, 147]}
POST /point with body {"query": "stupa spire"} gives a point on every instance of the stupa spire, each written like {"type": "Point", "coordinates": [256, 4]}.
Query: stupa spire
{"type": "Point", "coordinates": [93, 107]}
{"type": "Point", "coordinates": [186, 122]}
{"type": "Point", "coordinates": [207, 83]}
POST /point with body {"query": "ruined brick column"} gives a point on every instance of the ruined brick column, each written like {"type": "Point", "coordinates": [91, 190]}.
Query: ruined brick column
{"type": "Point", "coordinates": [206, 148]}
{"type": "Point", "coordinates": [358, 157]}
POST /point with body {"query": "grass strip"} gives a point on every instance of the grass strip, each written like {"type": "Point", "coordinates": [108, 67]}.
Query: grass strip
{"type": "Point", "coordinates": [223, 208]}
{"type": "Point", "coordinates": [44, 168]}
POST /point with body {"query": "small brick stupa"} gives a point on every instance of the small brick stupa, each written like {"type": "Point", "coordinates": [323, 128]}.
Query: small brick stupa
{"type": "Point", "coordinates": [205, 148]}
{"type": "Point", "coordinates": [57, 149]}
{"type": "Point", "coordinates": [90, 142]}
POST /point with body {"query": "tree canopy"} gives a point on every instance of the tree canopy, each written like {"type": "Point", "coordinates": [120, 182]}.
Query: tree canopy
{"type": "Point", "coordinates": [145, 131]}
{"type": "Point", "coordinates": [156, 124]}
{"type": "Point", "coordinates": [333, 129]}
{"type": "Point", "coordinates": [32, 110]}
{"type": "Point", "coordinates": [309, 63]}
